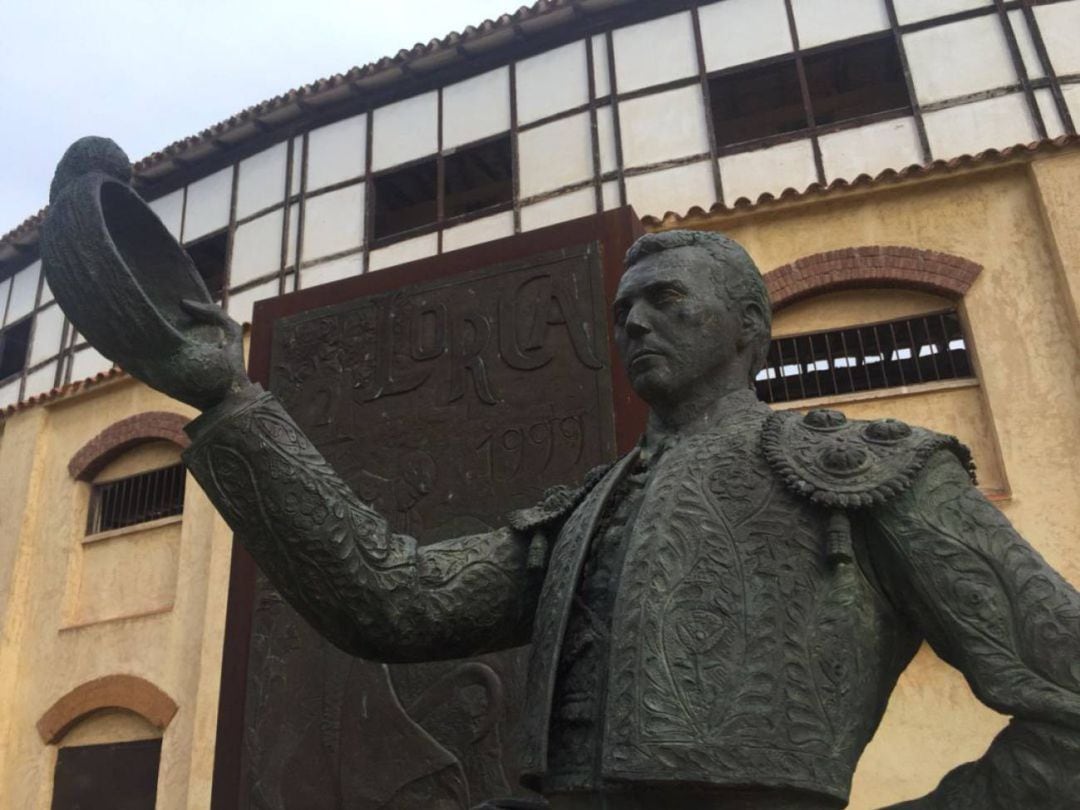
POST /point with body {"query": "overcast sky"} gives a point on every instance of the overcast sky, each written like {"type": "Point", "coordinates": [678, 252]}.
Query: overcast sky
{"type": "Point", "coordinates": [149, 72]}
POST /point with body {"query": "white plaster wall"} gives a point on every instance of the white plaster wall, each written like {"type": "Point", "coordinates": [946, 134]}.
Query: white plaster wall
{"type": "Point", "coordinates": [479, 230]}
{"type": "Point", "coordinates": [654, 52]}
{"type": "Point", "coordinates": [870, 149]}
{"type": "Point", "coordinates": [405, 130]}
{"type": "Point", "coordinates": [9, 392]}
{"type": "Point", "coordinates": [407, 250]}
{"type": "Point", "coordinates": [610, 192]}
{"type": "Point", "coordinates": [297, 164]}
{"type": "Point", "coordinates": [821, 21]}
{"type": "Point", "coordinates": [908, 11]}
{"type": "Point", "coordinates": [40, 381]}
{"type": "Point", "coordinates": [601, 79]}
{"type": "Point", "coordinates": [559, 209]}
{"type": "Point", "coordinates": [336, 152]}
{"type": "Point", "coordinates": [555, 155]}
{"type": "Point", "coordinates": [87, 363]}
{"type": "Point", "coordinates": [208, 203]}
{"type": "Point", "coordinates": [751, 174]}
{"type": "Point", "coordinates": [331, 271]}
{"type": "Point", "coordinates": [260, 181]}
{"type": "Point", "coordinates": [334, 222]}
{"type": "Point", "coordinates": [1026, 44]}
{"type": "Point", "coordinates": [170, 210]}
{"type": "Point", "coordinates": [1060, 27]}
{"type": "Point", "coordinates": [46, 294]}
{"type": "Point", "coordinates": [662, 126]}
{"type": "Point", "coordinates": [734, 32]}
{"type": "Point", "coordinates": [241, 304]}
{"type": "Point", "coordinates": [24, 285]}
{"type": "Point", "coordinates": [605, 132]}
{"type": "Point", "coordinates": [256, 248]}
{"type": "Point", "coordinates": [294, 234]}
{"type": "Point", "coordinates": [964, 57]}
{"type": "Point", "coordinates": [552, 81]}
{"type": "Point", "coordinates": [995, 123]}
{"type": "Point", "coordinates": [1072, 100]}
{"type": "Point", "coordinates": [676, 189]}
{"type": "Point", "coordinates": [1051, 118]}
{"type": "Point", "coordinates": [476, 108]}
{"type": "Point", "coordinates": [48, 328]}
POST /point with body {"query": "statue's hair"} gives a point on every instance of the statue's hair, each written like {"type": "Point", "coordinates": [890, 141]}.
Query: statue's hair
{"type": "Point", "coordinates": [735, 275]}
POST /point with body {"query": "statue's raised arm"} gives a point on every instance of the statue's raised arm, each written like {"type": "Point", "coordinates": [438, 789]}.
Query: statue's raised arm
{"type": "Point", "coordinates": [133, 292]}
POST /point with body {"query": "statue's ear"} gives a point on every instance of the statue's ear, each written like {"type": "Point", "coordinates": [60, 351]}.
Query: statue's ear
{"type": "Point", "coordinates": [751, 325]}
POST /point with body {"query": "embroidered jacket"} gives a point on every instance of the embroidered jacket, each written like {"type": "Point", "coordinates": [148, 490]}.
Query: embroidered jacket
{"type": "Point", "coordinates": [778, 576]}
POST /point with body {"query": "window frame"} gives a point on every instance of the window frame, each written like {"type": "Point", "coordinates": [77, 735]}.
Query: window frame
{"type": "Point", "coordinates": [797, 58]}
{"type": "Point", "coordinates": [441, 221]}
{"type": "Point", "coordinates": [767, 384]}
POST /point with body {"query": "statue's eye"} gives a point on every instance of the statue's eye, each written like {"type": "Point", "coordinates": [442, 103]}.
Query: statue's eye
{"type": "Point", "coordinates": [667, 295]}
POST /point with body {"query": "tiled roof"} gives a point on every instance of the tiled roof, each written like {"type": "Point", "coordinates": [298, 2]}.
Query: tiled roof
{"type": "Point", "coordinates": [62, 391]}
{"type": "Point", "coordinates": [403, 67]}
{"type": "Point", "coordinates": [674, 219]}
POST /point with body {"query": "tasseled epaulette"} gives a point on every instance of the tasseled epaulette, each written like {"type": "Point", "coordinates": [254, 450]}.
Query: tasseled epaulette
{"type": "Point", "coordinates": [844, 465]}
{"type": "Point", "coordinates": [557, 503]}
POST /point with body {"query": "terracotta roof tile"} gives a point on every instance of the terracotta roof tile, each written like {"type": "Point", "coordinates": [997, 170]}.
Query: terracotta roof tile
{"type": "Point", "coordinates": [25, 233]}
{"type": "Point", "coordinates": [62, 391]}
{"type": "Point", "coordinates": [672, 219]}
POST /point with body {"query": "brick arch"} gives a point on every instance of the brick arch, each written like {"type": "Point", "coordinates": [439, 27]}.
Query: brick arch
{"type": "Point", "coordinates": [109, 692]}
{"type": "Point", "coordinates": [877, 266]}
{"type": "Point", "coordinates": [121, 436]}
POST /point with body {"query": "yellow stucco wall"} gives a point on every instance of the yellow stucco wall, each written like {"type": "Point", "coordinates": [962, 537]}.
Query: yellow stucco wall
{"type": "Point", "coordinates": [1022, 419]}
{"type": "Point", "coordinates": [1022, 224]}
{"type": "Point", "coordinates": [147, 603]}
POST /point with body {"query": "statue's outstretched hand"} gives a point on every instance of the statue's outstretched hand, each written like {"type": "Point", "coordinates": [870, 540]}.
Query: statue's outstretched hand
{"type": "Point", "coordinates": [206, 370]}
{"type": "Point", "coordinates": [128, 286]}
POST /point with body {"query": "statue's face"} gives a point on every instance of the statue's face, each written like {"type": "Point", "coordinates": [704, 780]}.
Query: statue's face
{"type": "Point", "coordinates": [675, 329]}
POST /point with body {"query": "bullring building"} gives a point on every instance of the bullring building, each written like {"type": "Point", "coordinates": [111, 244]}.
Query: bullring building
{"type": "Point", "coordinates": [904, 173]}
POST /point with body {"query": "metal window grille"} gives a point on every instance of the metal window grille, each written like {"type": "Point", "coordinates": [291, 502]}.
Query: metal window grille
{"type": "Point", "coordinates": [926, 348]}
{"type": "Point", "coordinates": [136, 499]}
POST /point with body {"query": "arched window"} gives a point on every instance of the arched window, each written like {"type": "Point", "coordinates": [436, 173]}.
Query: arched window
{"type": "Point", "coordinates": [109, 735]}
{"type": "Point", "coordinates": [127, 562]}
{"type": "Point", "coordinates": [902, 329]}
{"type": "Point", "coordinates": [881, 331]}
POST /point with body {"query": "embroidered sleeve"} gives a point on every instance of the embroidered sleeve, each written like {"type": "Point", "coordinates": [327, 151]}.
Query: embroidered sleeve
{"type": "Point", "coordinates": [373, 593]}
{"type": "Point", "coordinates": [993, 608]}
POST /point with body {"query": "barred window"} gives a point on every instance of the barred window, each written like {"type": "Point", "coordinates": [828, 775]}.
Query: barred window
{"type": "Point", "coordinates": [890, 354]}
{"type": "Point", "coordinates": [136, 499]}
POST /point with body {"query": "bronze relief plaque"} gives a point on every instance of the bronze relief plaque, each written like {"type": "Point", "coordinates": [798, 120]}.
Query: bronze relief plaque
{"type": "Point", "coordinates": [445, 405]}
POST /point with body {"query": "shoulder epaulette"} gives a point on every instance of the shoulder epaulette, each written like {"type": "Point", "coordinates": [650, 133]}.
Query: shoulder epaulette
{"type": "Point", "coordinates": [556, 504]}
{"type": "Point", "coordinates": [851, 464]}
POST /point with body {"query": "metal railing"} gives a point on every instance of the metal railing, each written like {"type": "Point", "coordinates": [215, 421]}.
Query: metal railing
{"type": "Point", "coordinates": [925, 348]}
{"type": "Point", "coordinates": [136, 499]}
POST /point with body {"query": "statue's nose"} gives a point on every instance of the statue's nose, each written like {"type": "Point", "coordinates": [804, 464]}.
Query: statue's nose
{"type": "Point", "coordinates": [637, 323]}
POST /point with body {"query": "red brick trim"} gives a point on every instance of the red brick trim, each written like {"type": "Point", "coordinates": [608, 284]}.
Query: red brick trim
{"type": "Point", "coordinates": [121, 436]}
{"type": "Point", "coordinates": [109, 692]}
{"type": "Point", "coordinates": [876, 266]}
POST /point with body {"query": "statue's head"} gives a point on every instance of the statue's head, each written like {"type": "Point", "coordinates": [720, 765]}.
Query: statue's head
{"type": "Point", "coordinates": [691, 313]}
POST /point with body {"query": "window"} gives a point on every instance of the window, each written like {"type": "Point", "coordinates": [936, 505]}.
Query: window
{"type": "Point", "coordinates": [845, 82]}
{"type": "Point", "coordinates": [208, 254]}
{"type": "Point", "coordinates": [925, 348]}
{"type": "Point", "coordinates": [136, 499]}
{"type": "Point", "coordinates": [476, 178]}
{"type": "Point", "coordinates": [115, 776]}
{"type": "Point", "coordinates": [14, 348]}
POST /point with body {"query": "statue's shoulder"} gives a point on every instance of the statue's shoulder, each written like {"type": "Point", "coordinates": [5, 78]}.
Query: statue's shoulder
{"type": "Point", "coordinates": [556, 504]}
{"type": "Point", "coordinates": [848, 463]}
